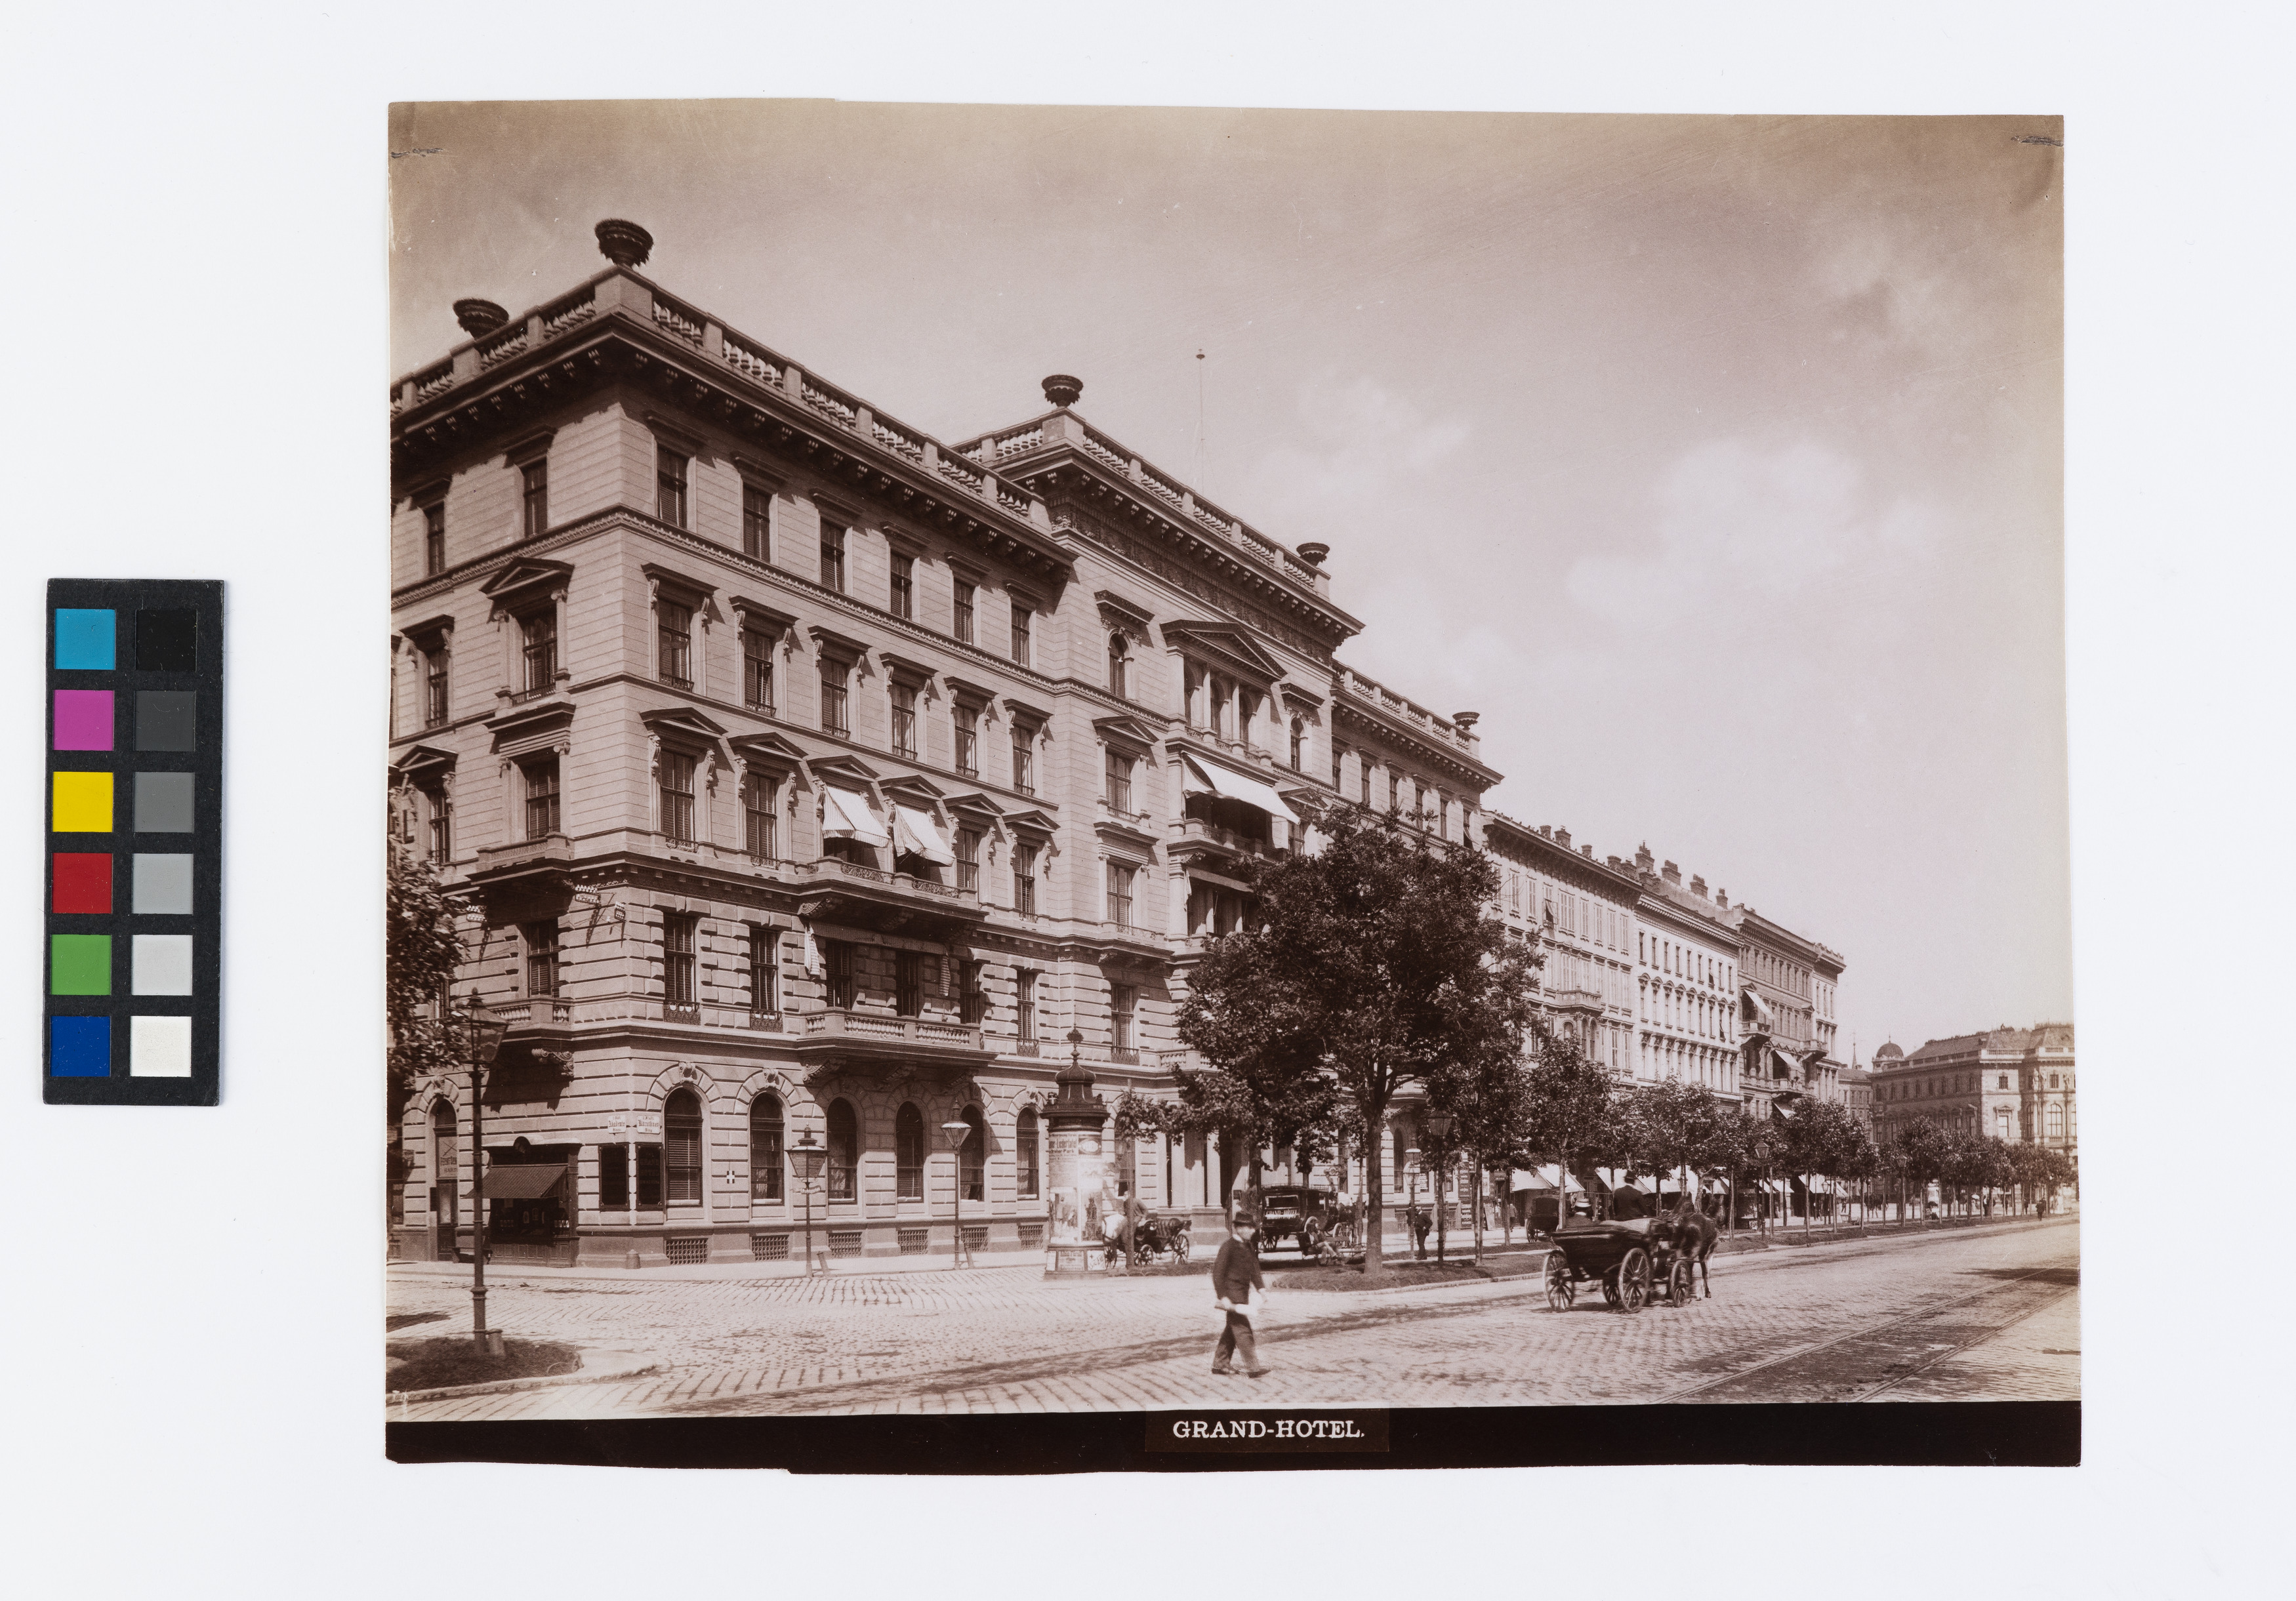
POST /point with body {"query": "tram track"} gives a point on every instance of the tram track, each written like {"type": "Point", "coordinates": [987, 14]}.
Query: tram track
{"type": "Point", "coordinates": [1824, 1369]}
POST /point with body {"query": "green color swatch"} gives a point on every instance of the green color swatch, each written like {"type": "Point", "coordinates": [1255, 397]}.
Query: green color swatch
{"type": "Point", "coordinates": [80, 964]}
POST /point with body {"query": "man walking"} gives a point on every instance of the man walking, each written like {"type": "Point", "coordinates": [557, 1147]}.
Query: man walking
{"type": "Point", "coordinates": [1235, 1274]}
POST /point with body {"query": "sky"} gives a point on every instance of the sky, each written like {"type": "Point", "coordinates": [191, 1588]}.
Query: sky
{"type": "Point", "coordinates": [1716, 461]}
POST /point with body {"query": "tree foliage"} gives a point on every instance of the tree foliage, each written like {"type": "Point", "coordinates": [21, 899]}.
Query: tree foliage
{"type": "Point", "coordinates": [419, 952]}
{"type": "Point", "coordinates": [1372, 968]}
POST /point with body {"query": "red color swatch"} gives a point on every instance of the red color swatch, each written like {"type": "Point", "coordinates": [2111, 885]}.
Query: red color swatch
{"type": "Point", "coordinates": [83, 881]}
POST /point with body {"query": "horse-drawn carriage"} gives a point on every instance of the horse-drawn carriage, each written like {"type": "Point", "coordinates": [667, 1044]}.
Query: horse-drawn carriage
{"type": "Point", "coordinates": [1632, 1259]}
{"type": "Point", "coordinates": [1156, 1234]}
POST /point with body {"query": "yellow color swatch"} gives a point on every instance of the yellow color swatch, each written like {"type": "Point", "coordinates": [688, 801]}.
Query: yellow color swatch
{"type": "Point", "coordinates": [83, 803]}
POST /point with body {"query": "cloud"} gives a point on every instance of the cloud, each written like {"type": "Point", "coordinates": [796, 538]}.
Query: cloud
{"type": "Point", "coordinates": [1357, 437]}
{"type": "Point", "coordinates": [1734, 522]}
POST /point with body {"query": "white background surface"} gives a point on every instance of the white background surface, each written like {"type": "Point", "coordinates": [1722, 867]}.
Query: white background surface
{"type": "Point", "coordinates": [195, 247]}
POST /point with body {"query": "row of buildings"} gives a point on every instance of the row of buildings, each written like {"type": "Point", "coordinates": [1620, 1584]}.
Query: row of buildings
{"type": "Point", "coordinates": [803, 777]}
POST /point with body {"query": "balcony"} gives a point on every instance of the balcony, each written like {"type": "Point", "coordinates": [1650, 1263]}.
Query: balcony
{"type": "Point", "coordinates": [846, 1039]}
{"type": "Point", "coordinates": [870, 897]}
{"type": "Point", "coordinates": [1190, 837]}
{"type": "Point", "coordinates": [538, 1024]}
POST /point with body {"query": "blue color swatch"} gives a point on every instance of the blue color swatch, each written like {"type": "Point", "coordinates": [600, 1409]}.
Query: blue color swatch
{"type": "Point", "coordinates": [79, 1047]}
{"type": "Point", "coordinates": [85, 639]}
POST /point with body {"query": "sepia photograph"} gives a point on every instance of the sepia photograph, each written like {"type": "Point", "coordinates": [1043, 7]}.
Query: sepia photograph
{"type": "Point", "coordinates": [1225, 763]}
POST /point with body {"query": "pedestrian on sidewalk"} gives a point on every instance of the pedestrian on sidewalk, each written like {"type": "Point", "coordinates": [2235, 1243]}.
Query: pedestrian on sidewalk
{"type": "Point", "coordinates": [1235, 1274]}
{"type": "Point", "coordinates": [1420, 1222]}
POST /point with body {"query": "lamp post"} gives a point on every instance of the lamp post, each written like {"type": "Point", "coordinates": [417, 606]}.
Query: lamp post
{"type": "Point", "coordinates": [485, 1030]}
{"type": "Point", "coordinates": [1438, 1129]}
{"type": "Point", "coordinates": [957, 1130]}
{"type": "Point", "coordinates": [805, 1158]}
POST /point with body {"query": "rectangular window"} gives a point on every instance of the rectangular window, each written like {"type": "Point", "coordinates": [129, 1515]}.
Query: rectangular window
{"type": "Point", "coordinates": [1339, 758]}
{"type": "Point", "coordinates": [670, 486]}
{"type": "Point", "coordinates": [832, 556]}
{"type": "Point", "coordinates": [905, 586]}
{"type": "Point", "coordinates": [678, 937]}
{"type": "Point", "coordinates": [968, 860]}
{"type": "Point", "coordinates": [1120, 894]}
{"type": "Point", "coordinates": [674, 632]}
{"type": "Point", "coordinates": [434, 538]}
{"type": "Point", "coordinates": [676, 796]}
{"type": "Point", "coordinates": [966, 722]}
{"type": "Point", "coordinates": [542, 798]}
{"type": "Point", "coordinates": [832, 697]}
{"type": "Point", "coordinates": [534, 498]}
{"type": "Point", "coordinates": [905, 719]}
{"type": "Point", "coordinates": [649, 1178]}
{"type": "Point", "coordinates": [1024, 770]}
{"type": "Point", "coordinates": [1024, 991]}
{"type": "Point", "coordinates": [972, 997]}
{"type": "Point", "coordinates": [964, 611]}
{"type": "Point", "coordinates": [613, 1178]}
{"type": "Point", "coordinates": [758, 670]}
{"type": "Point", "coordinates": [1122, 1000]}
{"type": "Point", "coordinates": [757, 522]}
{"type": "Point", "coordinates": [1024, 879]}
{"type": "Point", "coordinates": [1021, 618]}
{"type": "Point", "coordinates": [1365, 771]}
{"type": "Point", "coordinates": [908, 983]}
{"type": "Point", "coordinates": [434, 687]}
{"type": "Point", "coordinates": [758, 820]}
{"type": "Point", "coordinates": [1120, 782]}
{"type": "Point", "coordinates": [542, 959]}
{"type": "Point", "coordinates": [1024, 1158]}
{"type": "Point", "coordinates": [442, 826]}
{"type": "Point", "coordinates": [837, 968]}
{"type": "Point", "coordinates": [538, 650]}
{"type": "Point", "coordinates": [764, 969]}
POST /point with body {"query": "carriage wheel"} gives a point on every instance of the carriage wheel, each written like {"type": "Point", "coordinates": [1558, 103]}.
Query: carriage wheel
{"type": "Point", "coordinates": [1680, 1282]}
{"type": "Point", "coordinates": [1611, 1286]}
{"type": "Point", "coordinates": [1143, 1252]}
{"type": "Point", "coordinates": [1634, 1280]}
{"type": "Point", "coordinates": [1560, 1291]}
{"type": "Point", "coordinates": [1180, 1246]}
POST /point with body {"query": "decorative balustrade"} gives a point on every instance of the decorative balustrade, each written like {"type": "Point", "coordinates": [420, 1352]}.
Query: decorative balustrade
{"type": "Point", "coordinates": [955, 470]}
{"type": "Point", "coordinates": [434, 380]}
{"type": "Point", "coordinates": [747, 360]}
{"type": "Point", "coordinates": [1409, 711]}
{"type": "Point", "coordinates": [837, 866]}
{"type": "Point", "coordinates": [1157, 484]}
{"type": "Point", "coordinates": [827, 401]}
{"type": "Point", "coordinates": [836, 1023]}
{"type": "Point", "coordinates": [997, 446]}
{"type": "Point", "coordinates": [685, 323]}
{"type": "Point", "coordinates": [497, 347]}
{"type": "Point", "coordinates": [1012, 499]}
{"type": "Point", "coordinates": [895, 437]}
{"type": "Point", "coordinates": [540, 1008]}
{"type": "Point", "coordinates": [562, 314]}
{"type": "Point", "coordinates": [1100, 450]}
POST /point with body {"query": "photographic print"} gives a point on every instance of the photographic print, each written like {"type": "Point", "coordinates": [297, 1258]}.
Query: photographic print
{"type": "Point", "coordinates": [1298, 773]}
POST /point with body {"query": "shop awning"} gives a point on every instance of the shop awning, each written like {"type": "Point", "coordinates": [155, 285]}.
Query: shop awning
{"type": "Point", "coordinates": [1612, 1177]}
{"type": "Point", "coordinates": [522, 1182]}
{"type": "Point", "coordinates": [1789, 1065]}
{"type": "Point", "coordinates": [1219, 780]}
{"type": "Point", "coordinates": [1777, 1187]}
{"type": "Point", "coordinates": [1762, 1013]}
{"type": "Point", "coordinates": [1679, 1178]}
{"type": "Point", "coordinates": [845, 814]}
{"type": "Point", "coordinates": [916, 834]}
{"type": "Point", "coordinates": [1543, 1178]}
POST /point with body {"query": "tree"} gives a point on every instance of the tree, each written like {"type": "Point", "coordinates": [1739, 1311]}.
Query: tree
{"type": "Point", "coordinates": [420, 950]}
{"type": "Point", "coordinates": [1673, 1124]}
{"type": "Point", "coordinates": [1923, 1151]}
{"type": "Point", "coordinates": [1489, 1104]}
{"type": "Point", "coordinates": [1818, 1139]}
{"type": "Point", "coordinates": [1741, 1142]}
{"type": "Point", "coordinates": [1374, 966]}
{"type": "Point", "coordinates": [1571, 1116]}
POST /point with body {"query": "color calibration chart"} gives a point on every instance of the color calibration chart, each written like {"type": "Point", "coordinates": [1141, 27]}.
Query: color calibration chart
{"type": "Point", "coordinates": [135, 868]}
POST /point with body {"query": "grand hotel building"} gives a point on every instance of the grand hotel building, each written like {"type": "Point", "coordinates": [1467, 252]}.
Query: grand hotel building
{"type": "Point", "coordinates": [799, 774]}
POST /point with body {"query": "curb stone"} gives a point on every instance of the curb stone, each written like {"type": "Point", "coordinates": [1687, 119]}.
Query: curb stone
{"type": "Point", "coordinates": [631, 1365]}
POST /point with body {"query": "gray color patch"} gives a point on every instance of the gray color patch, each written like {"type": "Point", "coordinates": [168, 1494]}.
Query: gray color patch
{"type": "Point", "coordinates": [163, 884]}
{"type": "Point", "coordinates": [163, 803]}
{"type": "Point", "coordinates": [167, 719]}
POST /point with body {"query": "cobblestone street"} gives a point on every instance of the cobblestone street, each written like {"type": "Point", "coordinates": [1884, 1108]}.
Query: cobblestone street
{"type": "Point", "coordinates": [1953, 1315]}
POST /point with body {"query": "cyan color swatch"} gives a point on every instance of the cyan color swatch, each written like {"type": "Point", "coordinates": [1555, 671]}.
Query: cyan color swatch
{"type": "Point", "coordinates": [85, 639]}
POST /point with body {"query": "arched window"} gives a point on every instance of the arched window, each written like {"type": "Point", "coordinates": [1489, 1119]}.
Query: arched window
{"type": "Point", "coordinates": [681, 1139]}
{"type": "Point", "coordinates": [766, 1148]}
{"type": "Point", "coordinates": [908, 1153]}
{"type": "Point", "coordinates": [844, 1150]}
{"type": "Point", "coordinates": [2056, 1122]}
{"type": "Point", "coordinates": [1024, 1155]}
{"type": "Point", "coordinates": [973, 1156]}
{"type": "Point", "coordinates": [1116, 674]}
{"type": "Point", "coordinates": [1299, 746]}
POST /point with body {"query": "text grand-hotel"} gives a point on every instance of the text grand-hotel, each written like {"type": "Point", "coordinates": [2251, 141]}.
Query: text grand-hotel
{"type": "Point", "coordinates": [801, 773]}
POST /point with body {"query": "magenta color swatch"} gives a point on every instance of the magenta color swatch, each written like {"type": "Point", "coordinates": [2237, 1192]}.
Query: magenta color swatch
{"type": "Point", "coordinates": [82, 719]}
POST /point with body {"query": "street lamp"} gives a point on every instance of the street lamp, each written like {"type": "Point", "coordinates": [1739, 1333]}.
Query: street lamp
{"type": "Point", "coordinates": [1411, 1168]}
{"type": "Point", "coordinates": [958, 1130]}
{"type": "Point", "coordinates": [1439, 1125]}
{"type": "Point", "coordinates": [805, 1158]}
{"type": "Point", "coordinates": [485, 1030]}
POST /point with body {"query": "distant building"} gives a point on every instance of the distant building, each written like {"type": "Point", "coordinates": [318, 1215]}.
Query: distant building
{"type": "Point", "coordinates": [2015, 1084]}
{"type": "Point", "coordinates": [1582, 912]}
{"type": "Point", "coordinates": [1858, 1095]}
{"type": "Point", "coordinates": [1789, 1009]}
{"type": "Point", "coordinates": [1687, 958]}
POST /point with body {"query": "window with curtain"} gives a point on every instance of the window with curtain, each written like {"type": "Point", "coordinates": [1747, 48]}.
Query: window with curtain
{"type": "Point", "coordinates": [670, 486]}
{"type": "Point", "coordinates": [766, 1148]}
{"type": "Point", "coordinates": [908, 1153]}
{"type": "Point", "coordinates": [832, 556]}
{"type": "Point", "coordinates": [1118, 768]}
{"type": "Point", "coordinates": [1024, 1155]}
{"type": "Point", "coordinates": [1024, 990]}
{"type": "Point", "coordinates": [904, 700]}
{"type": "Point", "coordinates": [538, 647]}
{"type": "Point", "coordinates": [757, 818]}
{"type": "Point", "coordinates": [541, 798]}
{"type": "Point", "coordinates": [1023, 624]}
{"type": "Point", "coordinates": [964, 720]}
{"type": "Point", "coordinates": [1024, 879]}
{"type": "Point", "coordinates": [834, 675]}
{"type": "Point", "coordinates": [678, 942]}
{"type": "Point", "coordinates": [675, 629]}
{"type": "Point", "coordinates": [904, 595]}
{"type": "Point", "coordinates": [968, 860]}
{"type": "Point", "coordinates": [1024, 766]}
{"type": "Point", "coordinates": [681, 1139]}
{"type": "Point", "coordinates": [837, 968]}
{"type": "Point", "coordinates": [1120, 894]}
{"type": "Point", "coordinates": [677, 795]}
{"type": "Point", "coordinates": [757, 522]}
{"type": "Point", "coordinates": [758, 669]}
{"type": "Point", "coordinates": [764, 969]}
{"type": "Point", "coordinates": [542, 957]}
{"type": "Point", "coordinates": [973, 997]}
{"type": "Point", "coordinates": [844, 1151]}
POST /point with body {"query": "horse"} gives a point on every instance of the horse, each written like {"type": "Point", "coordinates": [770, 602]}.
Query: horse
{"type": "Point", "coordinates": [1691, 1233]}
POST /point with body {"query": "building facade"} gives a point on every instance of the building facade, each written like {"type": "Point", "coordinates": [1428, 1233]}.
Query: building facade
{"type": "Point", "coordinates": [1581, 912]}
{"type": "Point", "coordinates": [1688, 981]}
{"type": "Point", "coordinates": [805, 778]}
{"type": "Point", "coordinates": [1787, 1005]}
{"type": "Point", "coordinates": [2014, 1084]}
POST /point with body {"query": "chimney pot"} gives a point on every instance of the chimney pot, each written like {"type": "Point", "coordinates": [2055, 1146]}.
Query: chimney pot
{"type": "Point", "coordinates": [1722, 897]}
{"type": "Point", "coordinates": [1698, 887]}
{"type": "Point", "coordinates": [624, 243]}
{"type": "Point", "coordinates": [1063, 390]}
{"type": "Point", "coordinates": [480, 318]}
{"type": "Point", "coordinates": [1313, 551]}
{"type": "Point", "coordinates": [1671, 873]}
{"type": "Point", "coordinates": [1562, 837]}
{"type": "Point", "coordinates": [1586, 851]}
